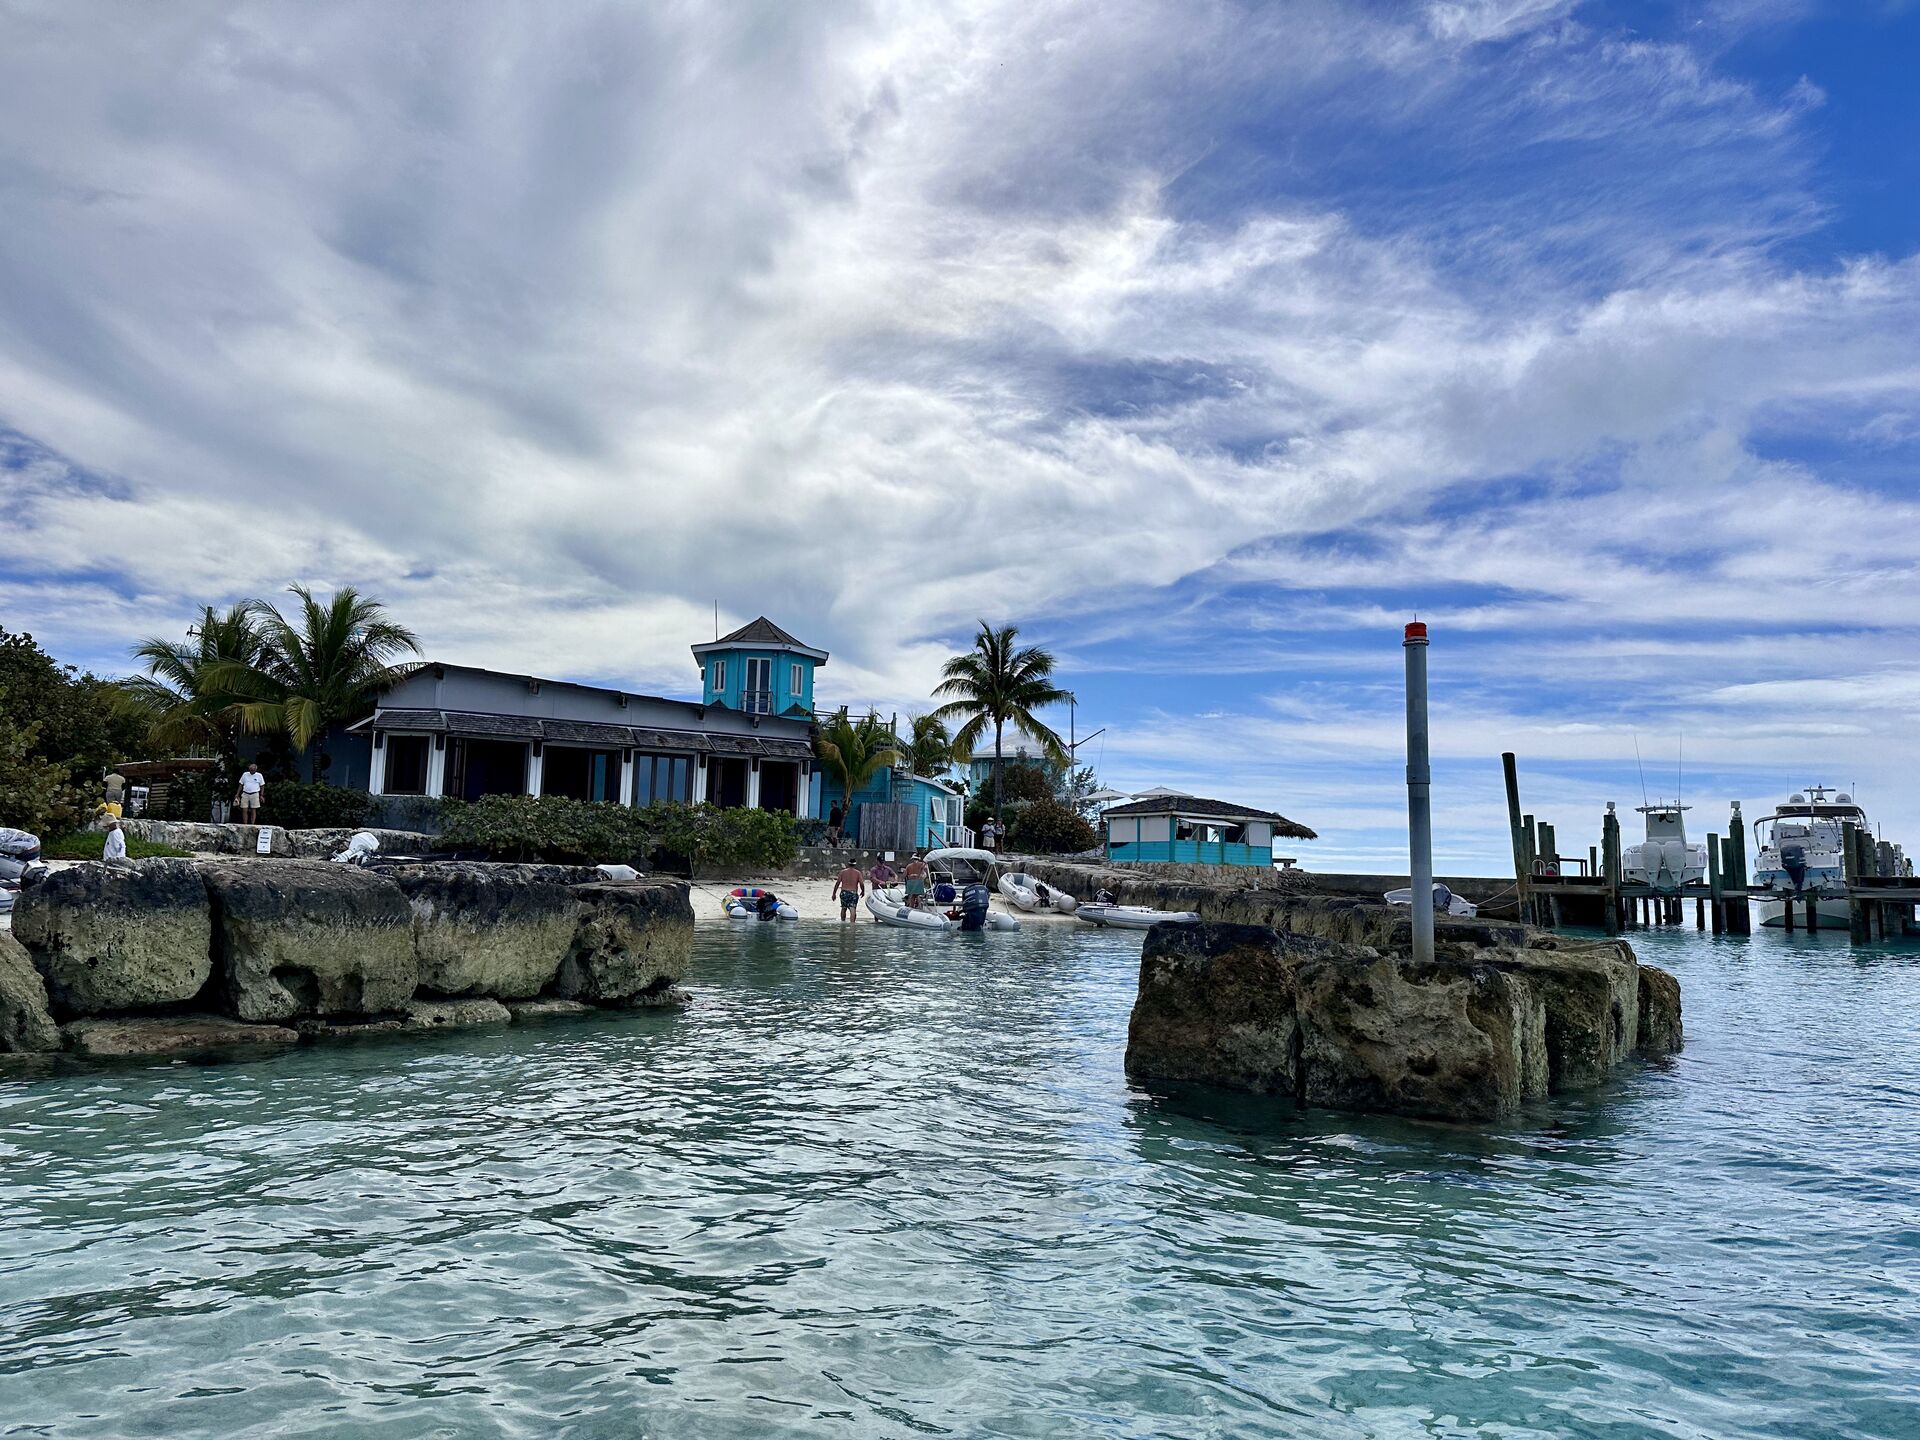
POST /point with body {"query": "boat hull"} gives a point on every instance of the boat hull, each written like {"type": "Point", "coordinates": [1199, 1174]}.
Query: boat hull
{"type": "Point", "coordinates": [1834, 913]}
{"type": "Point", "coordinates": [1133, 917]}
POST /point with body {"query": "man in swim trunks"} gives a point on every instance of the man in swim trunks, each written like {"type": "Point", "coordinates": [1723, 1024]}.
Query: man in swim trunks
{"type": "Point", "coordinates": [916, 876]}
{"type": "Point", "coordinates": [852, 885]}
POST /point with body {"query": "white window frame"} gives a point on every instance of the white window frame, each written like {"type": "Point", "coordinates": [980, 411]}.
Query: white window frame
{"type": "Point", "coordinates": [749, 690]}
{"type": "Point", "coordinates": [797, 679]}
{"type": "Point", "coordinates": [719, 676]}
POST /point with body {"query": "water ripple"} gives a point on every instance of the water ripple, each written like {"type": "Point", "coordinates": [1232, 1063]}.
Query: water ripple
{"type": "Point", "coordinates": [871, 1185]}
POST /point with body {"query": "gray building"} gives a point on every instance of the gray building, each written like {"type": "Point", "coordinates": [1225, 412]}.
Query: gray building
{"type": "Point", "coordinates": [463, 732]}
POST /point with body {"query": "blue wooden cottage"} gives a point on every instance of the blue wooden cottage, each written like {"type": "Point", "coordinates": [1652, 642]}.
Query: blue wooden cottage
{"type": "Point", "coordinates": [759, 670]}
{"type": "Point", "coordinates": [1171, 829]}
{"type": "Point", "coordinates": [938, 817]}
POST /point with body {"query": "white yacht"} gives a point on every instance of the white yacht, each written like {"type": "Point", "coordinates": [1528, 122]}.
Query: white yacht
{"type": "Point", "coordinates": [1799, 854]}
{"type": "Point", "coordinates": [1664, 861]}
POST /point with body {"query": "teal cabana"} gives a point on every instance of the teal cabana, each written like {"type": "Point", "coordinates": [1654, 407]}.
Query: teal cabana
{"type": "Point", "coordinates": [1189, 830]}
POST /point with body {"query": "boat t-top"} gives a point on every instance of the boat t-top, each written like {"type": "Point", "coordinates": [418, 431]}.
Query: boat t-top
{"type": "Point", "coordinates": [1664, 862]}
{"type": "Point", "coordinates": [1799, 853]}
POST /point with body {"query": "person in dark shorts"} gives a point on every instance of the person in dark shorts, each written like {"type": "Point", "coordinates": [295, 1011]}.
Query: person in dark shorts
{"type": "Point", "coordinates": [851, 885]}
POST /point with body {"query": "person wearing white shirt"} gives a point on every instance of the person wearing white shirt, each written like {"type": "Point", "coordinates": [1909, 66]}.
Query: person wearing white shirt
{"type": "Point", "coordinates": [116, 846]}
{"type": "Point", "coordinates": [246, 799]}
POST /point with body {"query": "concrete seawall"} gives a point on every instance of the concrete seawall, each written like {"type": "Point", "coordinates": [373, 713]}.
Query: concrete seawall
{"type": "Point", "coordinates": [170, 955]}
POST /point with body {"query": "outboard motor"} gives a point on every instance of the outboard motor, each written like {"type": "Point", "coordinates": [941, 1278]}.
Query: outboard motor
{"type": "Point", "coordinates": [1793, 860]}
{"type": "Point", "coordinates": [767, 907]}
{"type": "Point", "coordinates": [974, 901]}
{"type": "Point", "coordinates": [1442, 899]}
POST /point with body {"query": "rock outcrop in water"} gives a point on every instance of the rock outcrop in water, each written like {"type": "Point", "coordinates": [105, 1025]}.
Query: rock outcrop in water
{"type": "Point", "coordinates": [108, 938]}
{"type": "Point", "coordinates": [1316, 997]}
{"type": "Point", "coordinates": [1500, 1017]}
{"type": "Point", "coordinates": [26, 1025]}
{"type": "Point", "coordinates": [295, 938]}
{"type": "Point", "coordinates": [138, 958]}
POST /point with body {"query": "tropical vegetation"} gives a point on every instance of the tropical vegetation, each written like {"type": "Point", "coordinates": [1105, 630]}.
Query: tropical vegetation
{"type": "Point", "coordinates": [553, 828]}
{"type": "Point", "coordinates": [854, 751]}
{"type": "Point", "coordinates": [59, 729]}
{"type": "Point", "coordinates": [930, 748]}
{"type": "Point", "coordinates": [995, 684]}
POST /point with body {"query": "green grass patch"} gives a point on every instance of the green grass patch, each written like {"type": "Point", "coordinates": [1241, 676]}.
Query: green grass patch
{"type": "Point", "coordinates": [86, 845]}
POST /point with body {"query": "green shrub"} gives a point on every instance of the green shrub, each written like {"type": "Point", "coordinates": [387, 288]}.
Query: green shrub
{"type": "Point", "coordinates": [87, 845]}
{"type": "Point", "coordinates": [811, 831]}
{"type": "Point", "coordinates": [1046, 827]}
{"type": "Point", "coordinates": [34, 793]}
{"type": "Point", "coordinates": [296, 805]}
{"type": "Point", "coordinates": [581, 832]}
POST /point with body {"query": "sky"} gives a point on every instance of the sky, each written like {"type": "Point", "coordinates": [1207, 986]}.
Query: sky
{"type": "Point", "coordinates": [1206, 342]}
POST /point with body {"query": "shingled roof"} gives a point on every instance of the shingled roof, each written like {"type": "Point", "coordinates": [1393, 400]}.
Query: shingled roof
{"type": "Point", "coordinates": [761, 632]}
{"type": "Point", "coordinates": [1202, 809]}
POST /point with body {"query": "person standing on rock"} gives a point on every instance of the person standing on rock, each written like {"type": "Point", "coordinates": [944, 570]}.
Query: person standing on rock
{"type": "Point", "coordinates": [246, 796]}
{"type": "Point", "coordinates": [852, 885]}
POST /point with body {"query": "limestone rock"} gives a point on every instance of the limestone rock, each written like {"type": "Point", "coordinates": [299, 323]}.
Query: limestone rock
{"type": "Point", "coordinates": [1453, 1040]}
{"type": "Point", "coordinates": [119, 937]}
{"type": "Point", "coordinates": [312, 1028]}
{"type": "Point", "coordinates": [26, 1027]}
{"type": "Point", "coordinates": [1343, 1026]}
{"type": "Point", "coordinates": [634, 938]}
{"type": "Point", "coordinates": [498, 930]}
{"type": "Point", "coordinates": [324, 844]}
{"type": "Point", "coordinates": [1216, 1005]}
{"type": "Point", "coordinates": [1591, 994]}
{"type": "Point", "coordinates": [302, 937]}
{"type": "Point", "coordinates": [168, 1034]}
{"type": "Point", "coordinates": [549, 1009]}
{"type": "Point", "coordinates": [454, 1014]}
{"type": "Point", "coordinates": [1659, 1012]}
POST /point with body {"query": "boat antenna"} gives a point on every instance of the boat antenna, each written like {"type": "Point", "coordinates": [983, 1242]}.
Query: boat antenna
{"type": "Point", "coordinates": [1643, 771]}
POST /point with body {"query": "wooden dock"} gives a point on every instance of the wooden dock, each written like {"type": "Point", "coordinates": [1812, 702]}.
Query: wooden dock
{"type": "Point", "coordinates": [1555, 890]}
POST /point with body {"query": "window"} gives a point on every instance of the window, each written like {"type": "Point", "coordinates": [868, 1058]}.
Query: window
{"type": "Point", "coordinates": [406, 765]}
{"type": "Point", "coordinates": [581, 774]}
{"type": "Point", "coordinates": [662, 777]}
{"type": "Point", "coordinates": [719, 676]}
{"type": "Point", "coordinates": [759, 697]}
{"type": "Point", "coordinates": [797, 683]}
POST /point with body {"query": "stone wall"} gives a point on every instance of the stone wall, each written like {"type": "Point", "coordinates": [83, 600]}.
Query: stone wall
{"type": "Point", "coordinates": [209, 839]}
{"type": "Point", "coordinates": [166, 955]}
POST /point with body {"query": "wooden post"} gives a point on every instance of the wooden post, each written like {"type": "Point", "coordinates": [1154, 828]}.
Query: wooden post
{"type": "Point", "coordinates": [1512, 772]}
{"type": "Point", "coordinates": [1593, 860]}
{"type": "Point", "coordinates": [1610, 848]}
{"type": "Point", "coordinates": [1741, 911]}
{"type": "Point", "coordinates": [1713, 884]}
{"type": "Point", "coordinates": [1857, 929]}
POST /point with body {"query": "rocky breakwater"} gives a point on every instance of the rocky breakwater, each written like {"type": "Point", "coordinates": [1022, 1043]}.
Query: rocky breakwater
{"type": "Point", "coordinates": [170, 955]}
{"type": "Point", "coordinates": [1501, 1016]}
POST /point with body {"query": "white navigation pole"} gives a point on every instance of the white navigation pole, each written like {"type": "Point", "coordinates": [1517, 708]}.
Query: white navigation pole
{"type": "Point", "coordinates": [1419, 791]}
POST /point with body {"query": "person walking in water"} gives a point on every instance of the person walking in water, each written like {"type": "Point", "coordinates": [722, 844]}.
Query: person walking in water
{"type": "Point", "coordinates": [246, 797]}
{"type": "Point", "coordinates": [852, 885]}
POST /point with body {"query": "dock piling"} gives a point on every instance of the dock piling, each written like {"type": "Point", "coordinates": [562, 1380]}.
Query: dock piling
{"type": "Point", "coordinates": [1419, 792]}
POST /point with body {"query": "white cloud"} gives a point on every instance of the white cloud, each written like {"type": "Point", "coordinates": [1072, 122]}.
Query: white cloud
{"type": "Point", "coordinates": [554, 331]}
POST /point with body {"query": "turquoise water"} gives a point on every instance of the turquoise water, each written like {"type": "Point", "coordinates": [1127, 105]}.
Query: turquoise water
{"type": "Point", "coordinates": [874, 1184]}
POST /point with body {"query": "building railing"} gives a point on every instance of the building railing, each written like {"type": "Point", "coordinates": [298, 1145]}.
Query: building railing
{"type": "Point", "coordinates": [757, 702]}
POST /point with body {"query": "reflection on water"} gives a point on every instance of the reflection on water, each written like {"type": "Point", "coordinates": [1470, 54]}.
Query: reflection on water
{"type": "Point", "coordinates": [876, 1183]}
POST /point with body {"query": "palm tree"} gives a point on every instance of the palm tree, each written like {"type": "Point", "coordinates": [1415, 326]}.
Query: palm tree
{"type": "Point", "coordinates": [854, 750]}
{"type": "Point", "coordinates": [931, 748]}
{"type": "Point", "coordinates": [180, 697]}
{"type": "Point", "coordinates": [327, 665]}
{"type": "Point", "coordinates": [996, 683]}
